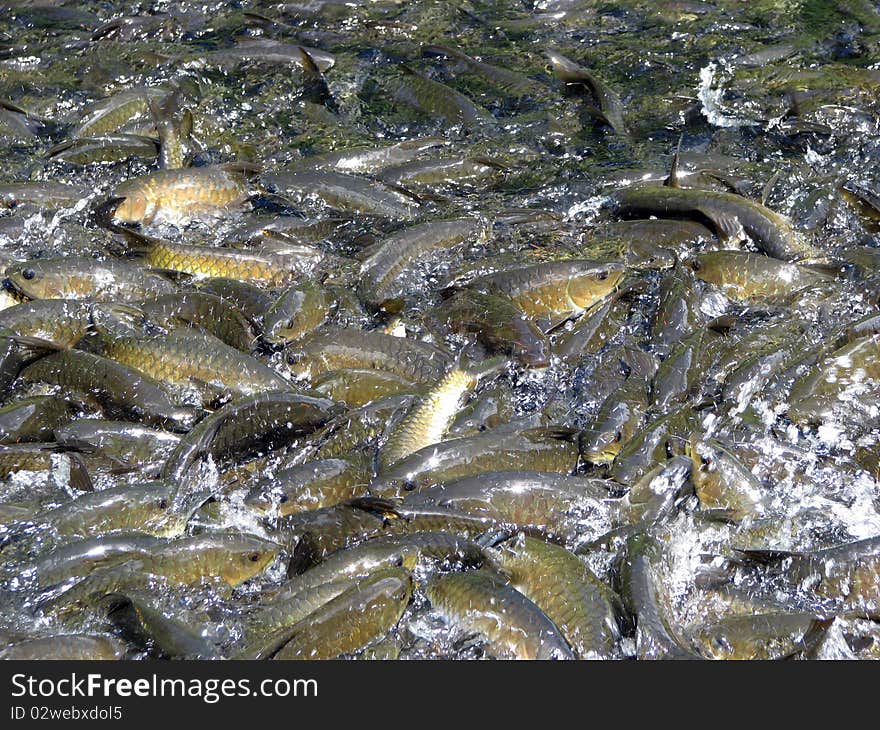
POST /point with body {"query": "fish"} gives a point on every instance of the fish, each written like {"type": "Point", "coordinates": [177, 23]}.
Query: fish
{"type": "Point", "coordinates": [428, 421]}
{"type": "Point", "coordinates": [79, 557]}
{"type": "Point", "coordinates": [85, 278]}
{"type": "Point", "coordinates": [148, 508]}
{"type": "Point", "coordinates": [250, 299]}
{"type": "Point", "coordinates": [361, 427]}
{"type": "Point", "coordinates": [116, 386]}
{"type": "Point", "coordinates": [215, 315]}
{"type": "Point", "coordinates": [554, 290]}
{"type": "Point", "coordinates": [678, 313]}
{"type": "Point", "coordinates": [337, 348]}
{"type": "Point", "coordinates": [34, 419]}
{"type": "Point", "coordinates": [66, 647]}
{"type": "Point", "coordinates": [313, 535]}
{"type": "Point", "coordinates": [247, 424]}
{"type": "Point", "coordinates": [444, 171]}
{"type": "Point", "coordinates": [540, 449]}
{"type": "Point", "coordinates": [190, 356]}
{"type": "Point", "coordinates": [749, 277]}
{"type": "Point", "coordinates": [141, 622]}
{"type": "Point", "coordinates": [267, 51]}
{"type": "Point", "coordinates": [609, 106]}
{"type": "Point", "coordinates": [173, 127]}
{"type": "Point", "coordinates": [343, 192]}
{"type": "Point", "coordinates": [310, 486]}
{"type": "Point", "coordinates": [44, 457]}
{"type": "Point", "coordinates": [266, 267]}
{"type": "Point", "coordinates": [298, 311]}
{"type": "Point", "coordinates": [348, 622]}
{"type": "Point", "coordinates": [513, 626]}
{"type": "Point", "coordinates": [723, 484]}
{"type": "Point", "coordinates": [592, 330]}
{"type": "Point", "coordinates": [61, 322]}
{"type": "Point", "coordinates": [498, 324]}
{"type": "Point", "coordinates": [222, 557]}
{"type": "Point", "coordinates": [545, 503]}
{"type": "Point", "coordinates": [383, 272]}
{"type": "Point", "coordinates": [47, 194]}
{"type": "Point", "coordinates": [843, 576]}
{"type": "Point", "coordinates": [107, 116]}
{"type": "Point", "coordinates": [508, 81]}
{"type": "Point", "coordinates": [729, 215]}
{"type": "Point", "coordinates": [178, 196]}
{"type": "Point", "coordinates": [681, 375]}
{"type": "Point", "coordinates": [300, 595]}
{"type": "Point", "coordinates": [645, 598]}
{"type": "Point", "coordinates": [838, 387]}
{"type": "Point", "coordinates": [369, 160]}
{"type": "Point", "coordinates": [582, 607]}
{"type": "Point", "coordinates": [434, 99]}
{"type": "Point", "coordinates": [616, 423]}
{"type": "Point", "coordinates": [657, 441]}
{"type": "Point", "coordinates": [762, 636]}
{"type": "Point", "coordinates": [357, 387]}
{"type": "Point", "coordinates": [103, 148]}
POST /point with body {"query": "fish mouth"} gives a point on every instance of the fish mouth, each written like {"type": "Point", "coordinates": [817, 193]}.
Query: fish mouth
{"type": "Point", "coordinates": [10, 286]}
{"type": "Point", "coordinates": [104, 213]}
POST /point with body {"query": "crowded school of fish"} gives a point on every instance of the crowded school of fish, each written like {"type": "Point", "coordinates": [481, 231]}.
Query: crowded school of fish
{"type": "Point", "coordinates": [437, 330]}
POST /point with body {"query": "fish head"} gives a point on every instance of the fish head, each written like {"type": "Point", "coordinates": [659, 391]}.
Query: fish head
{"type": "Point", "coordinates": [247, 556]}
{"type": "Point", "coordinates": [159, 513]}
{"type": "Point", "coordinates": [261, 500]}
{"type": "Point", "coordinates": [35, 281]}
{"type": "Point", "coordinates": [602, 445]}
{"type": "Point", "coordinates": [134, 208]}
{"type": "Point", "coordinates": [700, 454]}
{"type": "Point", "coordinates": [706, 267]}
{"type": "Point", "coordinates": [587, 288]}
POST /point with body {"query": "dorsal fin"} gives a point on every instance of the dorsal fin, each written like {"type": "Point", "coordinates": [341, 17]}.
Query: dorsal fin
{"type": "Point", "coordinates": [186, 123]}
{"type": "Point", "coordinates": [309, 65]}
{"type": "Point", "coordinates": [249, 169]}
{"type": "Point", "coordinates": [489, 162]}
{"type": "Point", "coordinates": [765, 193]}
{"type": "Point", "coordinates": [672, 180]}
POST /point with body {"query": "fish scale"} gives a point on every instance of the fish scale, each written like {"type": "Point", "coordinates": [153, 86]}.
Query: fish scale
{"type": "Point", "coordinates": [187, 356]}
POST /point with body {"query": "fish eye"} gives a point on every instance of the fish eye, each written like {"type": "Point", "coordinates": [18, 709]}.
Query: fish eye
{"type": "Point", "coordinates": [618, 437]}
{"type": "Point", "coordinates": [695, 265]}
{"type": "Point", "coordinates": [668, 448]}
{"type": "Point", "coordinates": [254, 557]}
{"type": "Point", "coordinates": [162, 503]}
{"type": "Point", "coordinates": [602, 275]}
{"type": "Point", "coordinates": [283, 498]}
{"type": "Point", "coordinates": [291, 359]}
{"type": "Point", "coordinates": [705, 461]}
{"type": "Point", "coordinates": [28, 274]}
